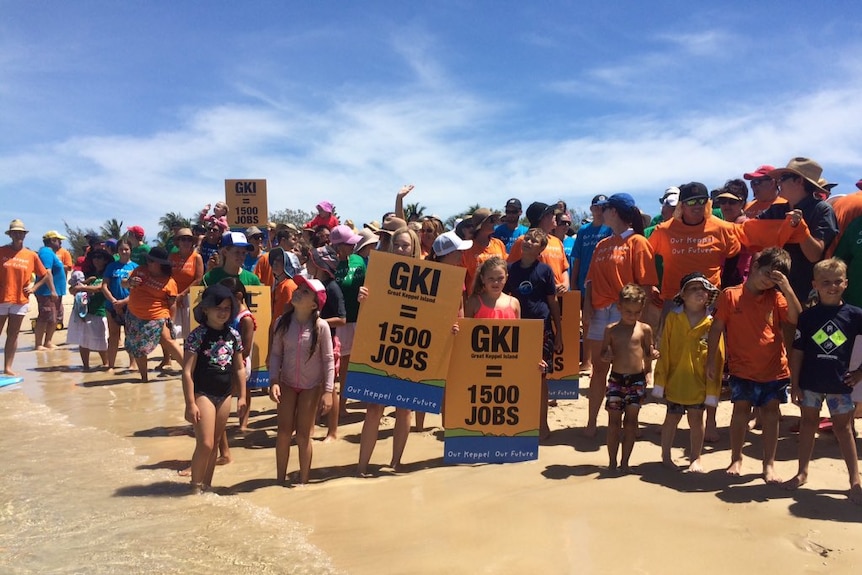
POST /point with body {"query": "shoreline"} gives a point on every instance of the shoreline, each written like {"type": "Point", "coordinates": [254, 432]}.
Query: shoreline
{"type": "Point", "coordinates": [562, 513]}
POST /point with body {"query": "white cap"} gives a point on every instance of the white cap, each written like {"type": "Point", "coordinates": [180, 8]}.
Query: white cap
{"type": "Point", "coordinates": [449, 242]}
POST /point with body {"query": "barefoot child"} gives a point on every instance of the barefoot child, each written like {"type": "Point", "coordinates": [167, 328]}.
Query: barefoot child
{"type": "Point", "coordinates": [751, 317]}
{"type": "Point", "coordinates": [212, 371]}
{"type": "Point", "coordinates": [819, 365]}
{"type": "Point", "coordinates": [680, 374]}
{"type": "Point", "coordinates": [301, 370]}
{"type": "Point", "coordinates": [627, 346]}
{"type": "Point", "coordinates": [488, 299]}
{"type": "Point", "coordinates": [532, 283]}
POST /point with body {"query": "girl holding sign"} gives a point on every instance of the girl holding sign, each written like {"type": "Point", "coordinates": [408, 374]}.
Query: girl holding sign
{"type": "Point", "coordinates": [404, 243]}
{"type": "Point", "coordinates": [488, 299]}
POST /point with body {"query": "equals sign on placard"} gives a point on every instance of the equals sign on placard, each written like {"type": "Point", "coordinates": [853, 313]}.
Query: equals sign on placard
{"type": "Point", "coordinates": [246, 200]}
{"type": "Point", "coordinates": [408, 311]}
{"type": "Point", "coordinates": [493, 371]}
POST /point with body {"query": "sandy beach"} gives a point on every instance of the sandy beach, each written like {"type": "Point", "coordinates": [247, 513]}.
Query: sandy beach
{"type": "Point", "coordinates": [560, 514]}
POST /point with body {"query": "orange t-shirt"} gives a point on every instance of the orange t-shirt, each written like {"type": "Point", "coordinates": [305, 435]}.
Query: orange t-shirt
{"type": "Point", "coordinates": [756, 207]}
{"type": "Point", "coordinates": [264, 271]}
{"type": "Point", "coordinates": [753, 336]}
{"type": "Point", "coordinates": [617, 261]}
{"type": "Point", "coordinates": [186, 270]}
{"type": "Point", "coordinates": [65, 258]}
{"type": "Point", "coordinates": [281, 296]}
{"type": "Point", "coordinates": [686, 249]}
{"type": "Point", "coordinates": [553, 255]}
{"type": "Point", "coordinates": [847, 209]}
{"type": "Point", "coordinates": [150, 300]}
{"type": "Point", "coordinates": [759, 234]}
{"type": "Point", "coordinates": [16, 270]}
{"type": "Point", "coordinates": [474, 257]}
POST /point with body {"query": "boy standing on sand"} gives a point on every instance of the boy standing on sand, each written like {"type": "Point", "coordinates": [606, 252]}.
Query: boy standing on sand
{"type": "Point", "coordinates": [819, 365]}
{"type": "Point", "coordinates": [627, 346]}
{"type": "Point", "coordinates": [751, 317]}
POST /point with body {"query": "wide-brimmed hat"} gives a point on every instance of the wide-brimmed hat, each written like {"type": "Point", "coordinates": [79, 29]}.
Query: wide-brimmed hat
{"type": "Point", "coordinates": [253, 231]}
{"type": "Point", "coordinates": [760, 172]}
{"type": "Point", "coordinates": [326, 206]}
{"type": "Point", "coordinates": [16, 225]}
{"type": "Point", "coordinates": [390, 225]}
{"type": "Point", "coordinates": [697, 277]}
{"type": "Point", "coordinates": [859, 184]}
{"type": "Point", "coordinates": [316, 286]}
{"type": "Point", "coordinates": [805, 168]}
{"type": "Point", "coordinates": [482, 215]}
{"type": "Point", "coordinates": [449, 242]}
{"type": "Point", "coordinates": [213, 296]}
{"type": "Point", "coordinates": [53, 235]}
{"type": "Point", "coordinates": [373, 225]}
{"type": "Point", "coordinates": [158, 255]}
{"type": "Point", "coordinates": [368, 238]}
{"type": "Point", "coordinates": [326, 259]}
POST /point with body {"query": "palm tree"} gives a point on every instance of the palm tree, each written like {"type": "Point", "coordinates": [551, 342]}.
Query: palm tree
{"type": "Point", "coordinates": [414, 211]}
{"type": "Point", "coordinates": [112, 229]}
{"type": "Point", "coordinates": [450, 221]}
{"type": "Point", "coordinates": [169, 222]}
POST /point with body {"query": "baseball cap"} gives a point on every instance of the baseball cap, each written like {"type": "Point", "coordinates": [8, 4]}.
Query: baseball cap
{"type": "Point", "coordinates": [235, 240]}
{"type": "Point", "coordinates": [342, 234]}
{"type": "Point", "coordinates": [513, 204]}
{"type": "Point", "coordinates": [449, 242]}
{"type": "Point", "coordinates": [761, 172]}
{"type": "Point", "coordinates": [314, 285]}
{"type": "Point", "coordinates": [692, 190]}
{"type": "Point", "coordinates": [53, 235]}
{"type": "Point", "coordinates": [621, 201]}
{"type": "Point", "coordinates": [537, 210]}
{"type": "Point", "coordinates": [597, 199]}
{"type": "Point", "coordinates": [137, 230]}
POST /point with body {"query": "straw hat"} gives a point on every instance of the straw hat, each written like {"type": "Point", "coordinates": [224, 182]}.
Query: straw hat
{"type": "Point", "coordinates": [16, 225]}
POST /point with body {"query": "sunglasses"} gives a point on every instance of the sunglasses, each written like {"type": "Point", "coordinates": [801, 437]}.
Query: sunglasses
{"type": "Point", "coordinates": [727, 201]}
{"type": "Point", "coordinates": [564, 223]}
{"type": "Point", "coordinates": [787, 177]}
{"type": "Point", "coordinates": [759, 181]}
{"type": "Point", "coordinates": [695, 202]}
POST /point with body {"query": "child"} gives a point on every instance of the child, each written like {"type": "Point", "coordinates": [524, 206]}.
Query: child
{"type": "Point", "coordinates": [680, 374]}
{"type": "Point", "coordinates": [751, 318]}
{"type": "Point", "coordinates": [532, 283]}
{"type": "Point", "coordinates": [89, 329]}
{"type": "Point", "coordinates": [819, 365]}
{"type": "Point", "coordinates": [212, 370]}
{"type": "Point", "coordinates": [219, 215]}
{"type": "Point", "coordinates": [627, 346]}
{"type": "Point", "coordinates": [488, 299]}
{"type": "Point", "coordinates": [301, 369]}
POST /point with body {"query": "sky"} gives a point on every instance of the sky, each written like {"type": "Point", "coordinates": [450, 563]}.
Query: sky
{"type": "Point", "coordinates": [130, 110]}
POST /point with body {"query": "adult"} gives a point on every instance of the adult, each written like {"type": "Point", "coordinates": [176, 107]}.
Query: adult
{"type": "Point", "coordinates": [693, 240]}
{"type": "Point", "coordinates": [765, 191]}
{"type": "Point", "coordinates": [350, 275]}
{"type": "Point", "coordinates": [255, 238]}
{"type": "Point", "coordinates": [847, 209]}
{"type": "Point", "coordinates": [563, 232]}
{"type": "Point", "coordinates": [325, 216]}
{"type": "Point", "coordinates": [88, 329]}
{"type": "Point", "coordinates": [541, 215]}
{"type": "Point", "coordinates": [65, 257]}
{"type": "Point", "coordinates": [622, 258]}
{"type": "Point", "coordinates": [731, 200]}
{"type": "Point", "coordinates": [116, 297]}
{"type": "Point", "coordinates": [586, 240]}
{"type": "Point", "coordinates": [209, 245]}
{"type": "Point", "coordinates": [384, 233]}
{"type": "Point", "coordinates": [232, 250]}
{"type": "Point", "coordinates": [668, 201]}
{"type": "Point", "coordinates": [431, 229]}
{"type": "Point", "coordinates": [50, 307]}
{"type": "Point", "coordinates": [798, 184]}
{"type": "Point", "coordinates": [17, 266]}
{"type": "Point", "coordinates": [187, 270]}
{"type": "Point", "coordinates": [140, 249]}
{"type": "Point", "coordinates": [510, 228]}
{"type": "Point", "coordinates": [484, 245]}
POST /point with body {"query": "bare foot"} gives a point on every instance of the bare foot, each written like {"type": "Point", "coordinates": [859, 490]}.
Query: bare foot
{"type": "Point", "coordinates": [735, 468]}
{"type": "Point", "coordinates": [50, 346]}
{"type": "Point", "coordinates": [187, 472]}
{"type": "Point", "coordinates": [8, 371]}
{"type": "Point", "coordinates": [590, 431]}
{"type": "Point", "coordinates": [795, 483]}
{"type": "Point", "coordinates": [41, 348]}
{"type": "Point", "coordinates": [711, 436]}
{"type": "Point", "coordinates": [330, 438]}
{"type": "Point", "coordinates": [695, 467]}
{"type": "Point", "coordinates": [223, 460]}
{"type": "Point", "coordinates": [755, 424]}
{"type": "Point", "coordinates": [769, 474]}
{"type": "Point", "coordinates": [197, 488]}
{"type": "Point", "coordinates": [612, 467]}
{"type": "Point", "coordinates": [669, 464]}
{"type": "Point", "coordinates": [855, 494]}
{"type": "Point", "coordinates": [625, 469]}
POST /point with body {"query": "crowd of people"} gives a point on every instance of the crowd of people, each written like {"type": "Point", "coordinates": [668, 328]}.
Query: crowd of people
{"type": "Point", "coordinates": [751, 299]}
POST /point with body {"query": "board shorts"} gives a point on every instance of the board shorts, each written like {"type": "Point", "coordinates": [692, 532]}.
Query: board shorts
{"type": "Point", "coordinates": [838, 403]}
{"type": "Point", "coordinates": [624, 390]}
{"type": "Point", "coordinates": [756, 393]}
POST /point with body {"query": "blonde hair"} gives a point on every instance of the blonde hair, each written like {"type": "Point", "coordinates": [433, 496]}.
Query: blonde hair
{"type": "Point", "coordinates": [832, 265]}
{"type": "Point", "coordinates": [417, 248]}
{"type": "Point", "coordinates": [632, 293]}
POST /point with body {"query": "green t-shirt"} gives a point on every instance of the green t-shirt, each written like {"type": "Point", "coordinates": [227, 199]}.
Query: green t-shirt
{"type": "Point", "coordinates": [350, 275]}
{"type": "Point", "coordinates": [140, 253]}
{"type": "Point", "coordinates": [245, 277]}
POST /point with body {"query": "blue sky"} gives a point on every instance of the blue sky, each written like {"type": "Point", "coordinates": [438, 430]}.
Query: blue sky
{"type": "Point", "coordinates": [130, 110]}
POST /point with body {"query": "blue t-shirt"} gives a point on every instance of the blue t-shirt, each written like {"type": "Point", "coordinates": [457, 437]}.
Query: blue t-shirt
{"type": "Point", "coordinates": [114, 274]}
{"type": "Point", "coordinates": [531, 286]}
{"type": "Point", "coordinates": [586, 241]}
{"type": "Point", "coordinates": [53, 263]}
{"type": "Point", "coordinates": [507, 235]}
{"type": "Point", "coordinates": [568, 247]}
{"type": "Point", "coordinates": [825, 334]}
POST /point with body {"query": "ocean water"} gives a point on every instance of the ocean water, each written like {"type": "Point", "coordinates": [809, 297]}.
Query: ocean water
{"type": "Point", "coordinates": [77, 499]}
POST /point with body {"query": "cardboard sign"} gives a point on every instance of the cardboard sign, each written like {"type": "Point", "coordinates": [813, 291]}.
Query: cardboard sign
{"type": "Point", "coordinates": [246, 203]}
{"type": "Point", "coordinates": [564, 381]}
{"type": "Point", "coordinates": [258, 302]}
{"type": "Point", "coordinates": [404, 334]}
{"type": "Point", "coordinates": [493, 394]}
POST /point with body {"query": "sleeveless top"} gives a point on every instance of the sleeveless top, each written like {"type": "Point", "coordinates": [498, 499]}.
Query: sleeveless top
{"type": "Point", "coordinates": [486, 312]}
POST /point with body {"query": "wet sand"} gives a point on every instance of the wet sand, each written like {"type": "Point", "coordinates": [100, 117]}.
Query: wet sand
{"type": "Point", "coordinates": [561, 514]}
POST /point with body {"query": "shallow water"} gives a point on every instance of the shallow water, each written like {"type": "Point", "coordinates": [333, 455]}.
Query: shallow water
{"type": "Point", "coordinates": [77, 499]}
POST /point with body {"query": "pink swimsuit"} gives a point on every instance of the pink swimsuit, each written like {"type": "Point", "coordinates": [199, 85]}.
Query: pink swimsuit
{"type": "Point", "coordinates": [486, 312]}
